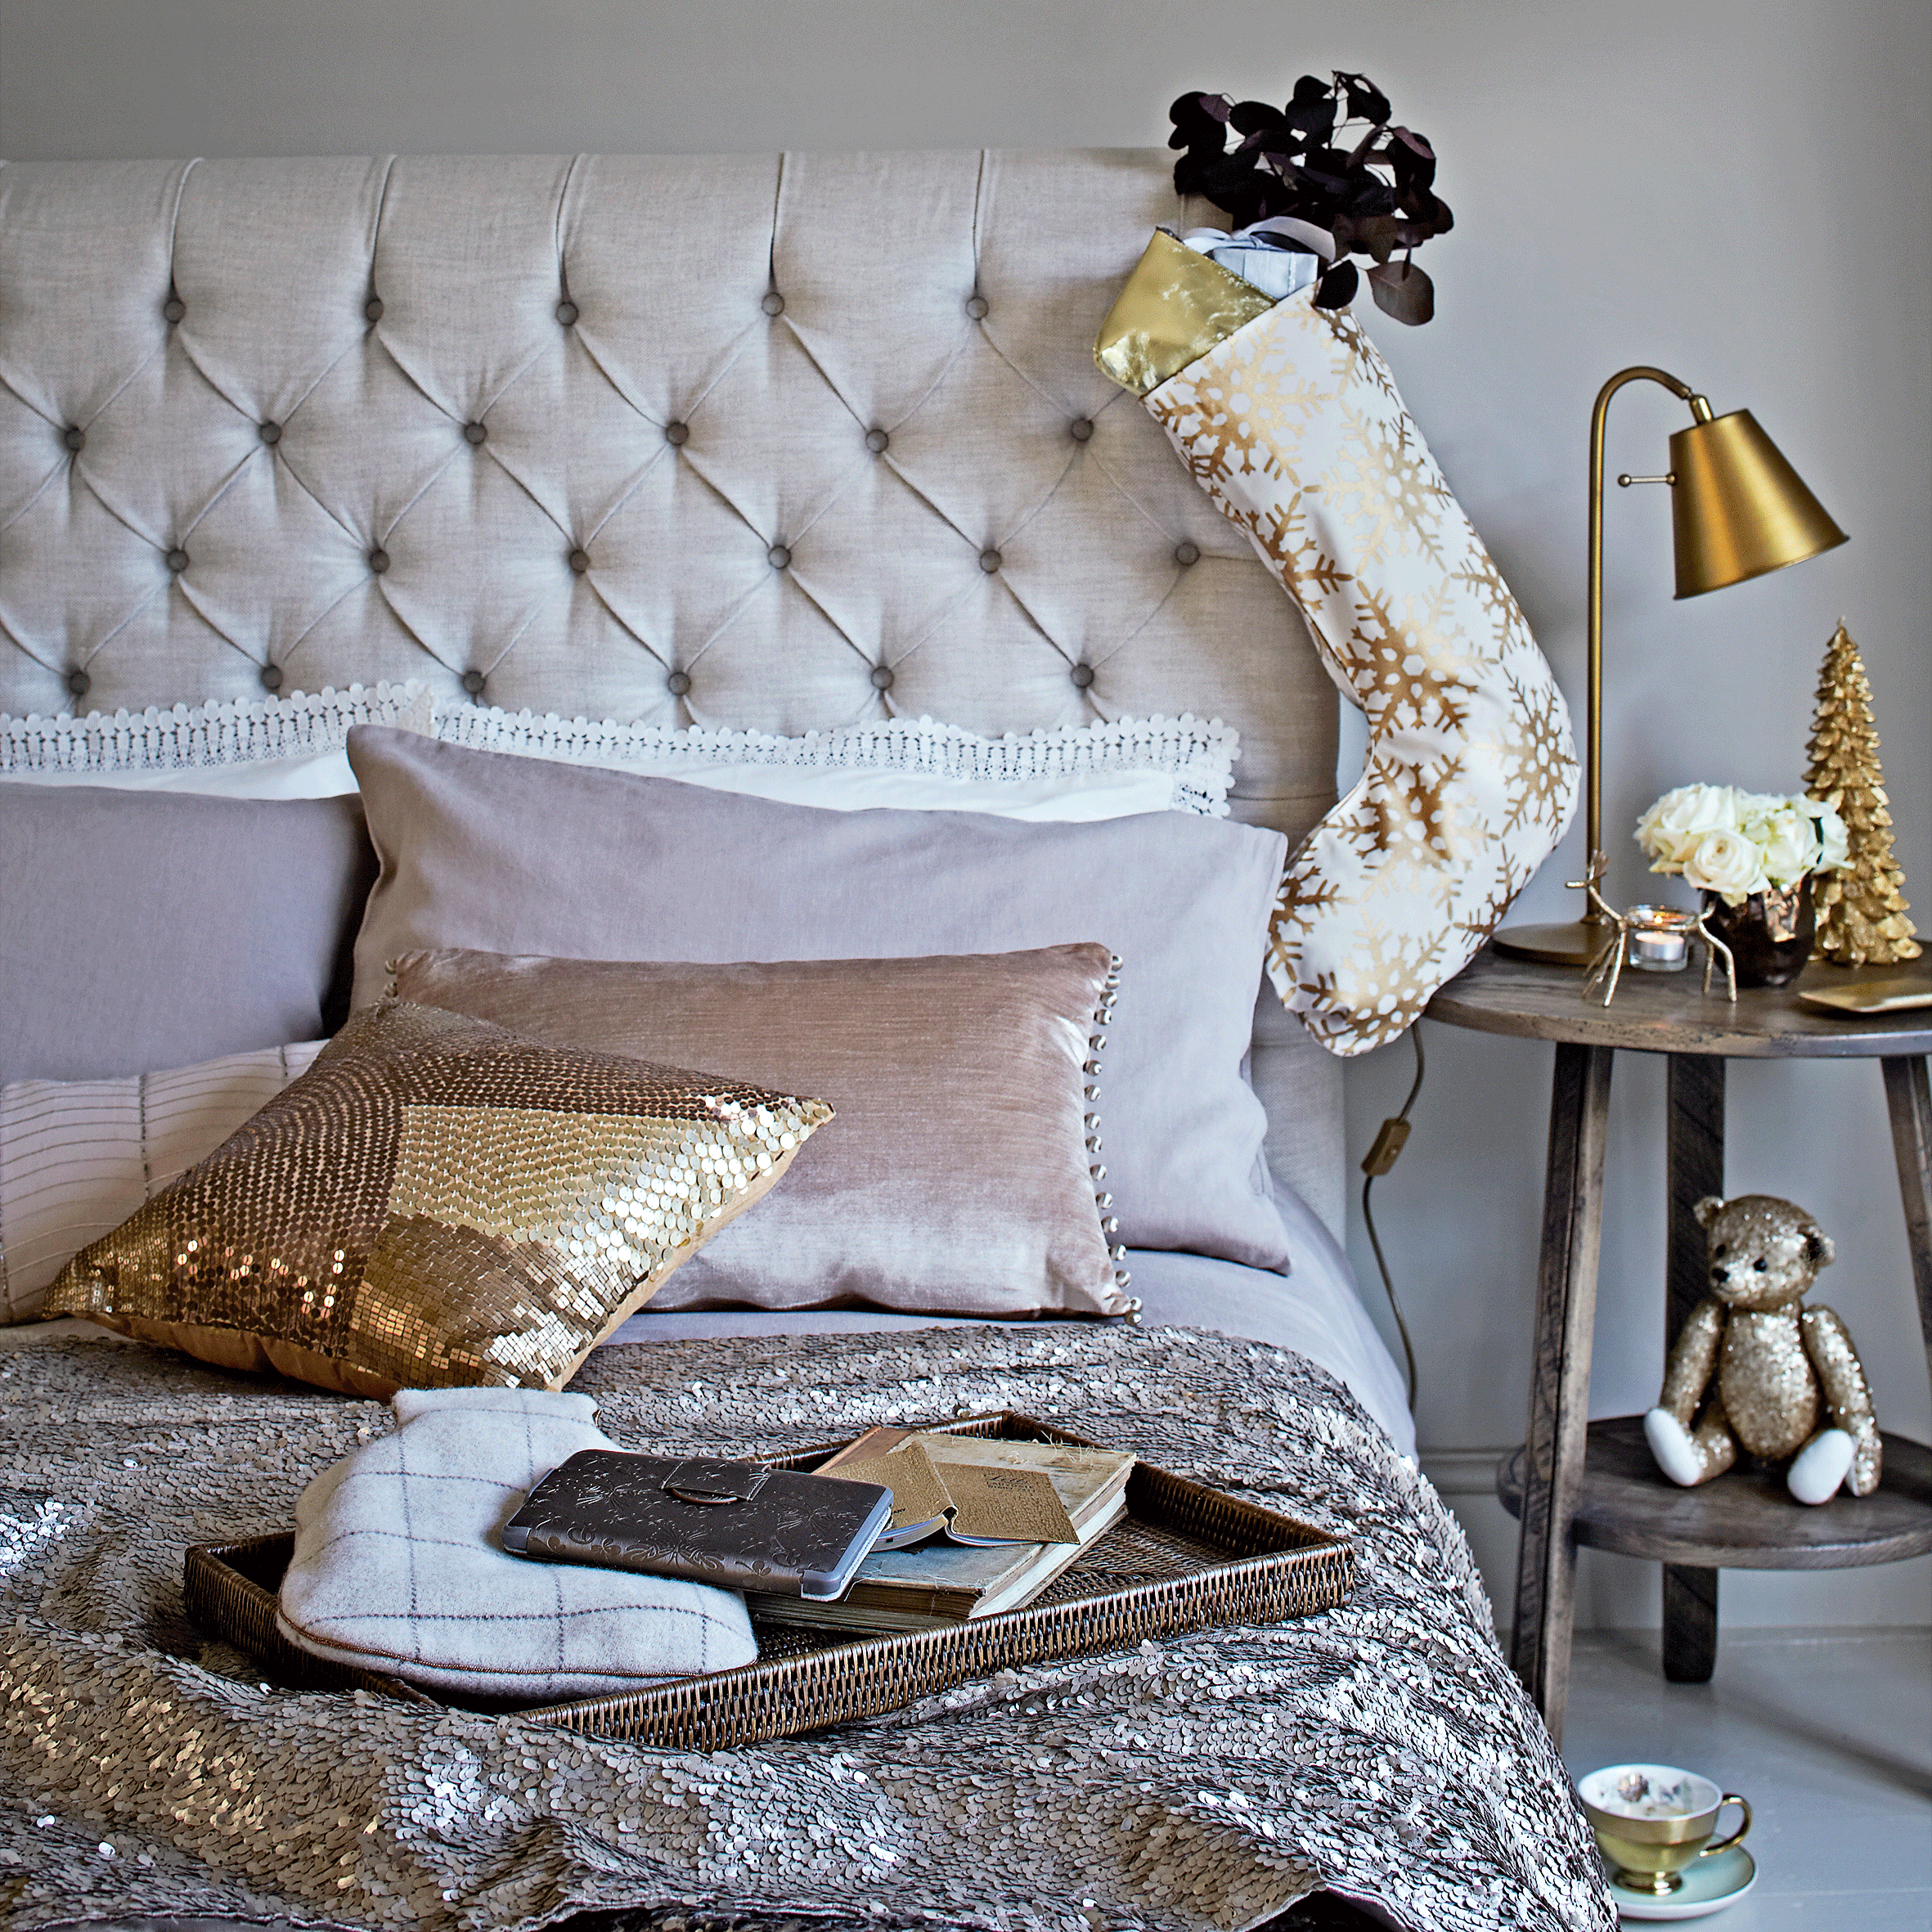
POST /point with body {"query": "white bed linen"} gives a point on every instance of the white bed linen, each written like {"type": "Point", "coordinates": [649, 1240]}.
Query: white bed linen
{"type": "Point", "coordinates": [1313, 1309]}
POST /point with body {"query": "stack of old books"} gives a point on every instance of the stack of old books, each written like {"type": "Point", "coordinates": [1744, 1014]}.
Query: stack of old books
{"type": "Point", "coordinates": [979, 1525]}
{"type": "Point", "coordinates": [903, 1530]}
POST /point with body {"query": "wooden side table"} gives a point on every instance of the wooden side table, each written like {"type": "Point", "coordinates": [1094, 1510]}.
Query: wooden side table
{"type": "Point", "coordinates": [1571, 1483]}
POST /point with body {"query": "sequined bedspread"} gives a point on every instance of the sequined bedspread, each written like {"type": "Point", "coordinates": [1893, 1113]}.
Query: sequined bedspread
{"type": "Point", "coordinates": [1383, 1750]}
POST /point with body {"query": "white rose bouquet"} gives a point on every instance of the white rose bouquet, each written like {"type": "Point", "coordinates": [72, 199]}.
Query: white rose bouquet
{"type": "Point", "coordinates": [1732, 842]}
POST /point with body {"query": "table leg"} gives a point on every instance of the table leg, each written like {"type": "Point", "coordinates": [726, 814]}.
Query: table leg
{"type": "Point", "coordinates": [1559, 1375]}
{"type": "Point", "coordinates": [1909, 1101]}
{"type": "Point", "coordinates": [1690, 1624]}
{"type": "Point", "coordinates": [1694, 1087]}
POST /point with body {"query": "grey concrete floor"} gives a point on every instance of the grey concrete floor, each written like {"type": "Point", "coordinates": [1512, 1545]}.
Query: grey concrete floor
{"type": "Point", "coordinates": [1827, 1732]}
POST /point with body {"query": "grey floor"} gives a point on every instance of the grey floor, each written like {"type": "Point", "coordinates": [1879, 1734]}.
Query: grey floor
{"type": "Point", "coordinates": [1828, 1734]}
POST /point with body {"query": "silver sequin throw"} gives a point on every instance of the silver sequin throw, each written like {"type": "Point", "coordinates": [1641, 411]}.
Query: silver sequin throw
{"type": "Point", "coordinates": [1383, 1750]}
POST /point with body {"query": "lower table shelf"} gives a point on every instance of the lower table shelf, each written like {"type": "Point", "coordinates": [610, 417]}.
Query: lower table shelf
{"type": "Point", "coordinates": [1743, 1519]}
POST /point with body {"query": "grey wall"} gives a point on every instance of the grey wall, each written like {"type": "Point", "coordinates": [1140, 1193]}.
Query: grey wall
{"type": "Point", "coordinates": [1735, 191]}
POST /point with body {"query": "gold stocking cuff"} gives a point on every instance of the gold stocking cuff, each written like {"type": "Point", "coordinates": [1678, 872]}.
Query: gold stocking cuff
{"type": "Point", "coordinates": [1176, 305]}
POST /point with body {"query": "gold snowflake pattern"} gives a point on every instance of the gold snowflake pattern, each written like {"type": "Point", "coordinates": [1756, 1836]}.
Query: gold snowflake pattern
{"type": "Point", "coordinates": [1354, 363]}
{"type": "Point", "coordinates": [1387, 487]}
{"type": "Point", "coordinates": [1380, 991]}
{"type": "Point", "coordinates": [1540, 759]}
{"type": "Point", "coordinates": [1476, 923]}
{"type": "Point", "coordinates": [1478, 575]}
{"type": "Point", "coordinates": [1294, 427]}
{"type": "Point", "coordinates": [1226, 453]}
{"type": "Point", "coordinates": [1414, 823]}
{"type": "Point", "coordinates": [1407, 667]}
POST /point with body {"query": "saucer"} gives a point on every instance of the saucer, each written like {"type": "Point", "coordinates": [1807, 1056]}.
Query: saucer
{"type": "Point", "coordinates": [1710, 1885]}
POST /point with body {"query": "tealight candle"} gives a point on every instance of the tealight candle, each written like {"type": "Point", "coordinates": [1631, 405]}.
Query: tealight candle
{"type": "Point", "coordinates": [1659, 938]}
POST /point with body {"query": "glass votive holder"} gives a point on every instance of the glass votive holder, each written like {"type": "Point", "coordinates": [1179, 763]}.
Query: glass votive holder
{"type": "Point", "coordinates": [1657, 938]}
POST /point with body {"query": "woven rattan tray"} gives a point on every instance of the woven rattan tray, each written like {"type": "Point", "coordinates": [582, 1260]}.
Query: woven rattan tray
{"type": "Point", "coordinates": [1184, 1556]}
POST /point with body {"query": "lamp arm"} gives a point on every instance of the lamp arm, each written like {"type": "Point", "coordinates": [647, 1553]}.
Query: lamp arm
{"type": "Point", "coordinates": [1593, 701]}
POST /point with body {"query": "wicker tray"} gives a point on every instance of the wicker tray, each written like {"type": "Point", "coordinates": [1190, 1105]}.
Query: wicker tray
{"type": "Point", "coordinates": [1184, 1556]}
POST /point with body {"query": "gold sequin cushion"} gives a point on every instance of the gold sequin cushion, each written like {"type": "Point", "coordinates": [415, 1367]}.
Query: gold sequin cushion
{"type": "Point", "coordinates": [437, 1203]}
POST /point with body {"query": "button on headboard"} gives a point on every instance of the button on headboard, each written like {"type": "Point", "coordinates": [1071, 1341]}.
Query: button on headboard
{"type": "Point", "coordinates": [764, 442]}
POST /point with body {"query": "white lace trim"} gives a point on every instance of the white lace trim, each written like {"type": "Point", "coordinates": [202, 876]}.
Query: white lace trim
{"type": "Point", "coordinates": [235, 732]}
{"type": "Point", "coordinates": [1200, 754]}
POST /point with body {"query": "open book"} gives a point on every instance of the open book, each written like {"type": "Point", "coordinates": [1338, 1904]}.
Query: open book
{"type": "Point", "coordinates": [948, 1578]}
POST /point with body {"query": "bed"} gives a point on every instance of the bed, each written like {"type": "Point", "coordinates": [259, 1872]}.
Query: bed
{"type": "Point", "coordinates": [777, 460]}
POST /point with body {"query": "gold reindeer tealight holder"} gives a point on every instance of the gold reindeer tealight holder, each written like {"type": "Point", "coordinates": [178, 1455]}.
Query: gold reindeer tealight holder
{"type": "Point", "coordinates": [1648, 939]}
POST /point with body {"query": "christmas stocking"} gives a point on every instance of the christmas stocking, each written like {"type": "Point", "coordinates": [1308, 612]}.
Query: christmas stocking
{"type": "Point", "coordinates": [1289, 419]}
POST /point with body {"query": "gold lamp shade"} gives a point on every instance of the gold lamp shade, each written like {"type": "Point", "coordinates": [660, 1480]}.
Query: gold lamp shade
{"type": "Point", "coordinates": [1738, 509]}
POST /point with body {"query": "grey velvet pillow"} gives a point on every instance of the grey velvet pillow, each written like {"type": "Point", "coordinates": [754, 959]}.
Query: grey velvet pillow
{"type": "Point", "coordinates": [141, 929]}
{"type": "Point", "coordinates": [511, 855]}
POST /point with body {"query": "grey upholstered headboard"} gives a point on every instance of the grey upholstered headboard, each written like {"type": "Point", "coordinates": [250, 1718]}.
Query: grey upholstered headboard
{"type": "Point", "coordinates": [763, 441]}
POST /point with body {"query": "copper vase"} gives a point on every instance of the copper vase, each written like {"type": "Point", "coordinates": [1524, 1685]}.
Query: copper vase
{"type": "Point", "coordinates": [1769, 935]}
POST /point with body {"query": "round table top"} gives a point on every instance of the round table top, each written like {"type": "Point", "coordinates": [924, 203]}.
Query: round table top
{"type": "Point", "coordinates": [1667, 1013]}
{"type": "Point", "coordinates": [1744, 1520]}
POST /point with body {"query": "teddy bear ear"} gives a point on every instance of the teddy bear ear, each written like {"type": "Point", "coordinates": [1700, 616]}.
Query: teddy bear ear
{"type": "Point", "coordinates": [1817, 1245]}
{"type": "Point", "coordinates": [1708, 1210]}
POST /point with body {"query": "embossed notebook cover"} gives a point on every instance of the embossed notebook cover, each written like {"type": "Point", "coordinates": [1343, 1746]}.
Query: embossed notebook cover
{"type": "Point", "coordinates": [731, 1524]}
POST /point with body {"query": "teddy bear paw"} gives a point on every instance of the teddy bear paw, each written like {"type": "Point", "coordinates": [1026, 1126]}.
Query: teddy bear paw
{"type": "Point", "coordinates": [1671, 1445]}
{"type": "Point", "coordinates": [1820, 1466]}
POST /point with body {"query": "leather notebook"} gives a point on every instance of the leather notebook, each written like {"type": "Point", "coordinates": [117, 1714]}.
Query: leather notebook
{"type": "Point", "coordinates": [731, 1524]}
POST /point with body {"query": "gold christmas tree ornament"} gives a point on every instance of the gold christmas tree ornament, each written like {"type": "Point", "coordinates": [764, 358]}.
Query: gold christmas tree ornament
{"type": "Point", "coordinates": [1861, 907]}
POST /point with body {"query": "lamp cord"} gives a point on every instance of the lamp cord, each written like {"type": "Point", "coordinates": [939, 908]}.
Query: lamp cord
{"type": "Point", "coordinates": [1390, 1140]}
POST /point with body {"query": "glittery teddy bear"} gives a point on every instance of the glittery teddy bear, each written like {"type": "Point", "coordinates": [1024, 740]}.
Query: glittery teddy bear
{"type": "Point", "coordinates": [1776, 1364]}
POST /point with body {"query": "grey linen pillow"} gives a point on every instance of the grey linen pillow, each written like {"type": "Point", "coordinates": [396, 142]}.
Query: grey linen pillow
{"type": "Point", "coordinates": [511, 855]}
{"type": "Point", "coordinates": [954, 1178]}
{"type": "Point", "coordinates": [141, 930]}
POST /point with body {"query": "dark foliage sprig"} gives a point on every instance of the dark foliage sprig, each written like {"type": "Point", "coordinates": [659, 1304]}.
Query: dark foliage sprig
{"type": "Point", "coordinates": [1331, 168]}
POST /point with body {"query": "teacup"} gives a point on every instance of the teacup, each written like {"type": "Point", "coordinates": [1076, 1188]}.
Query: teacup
{"type": "Point", "coordinates": [1653, 1819]}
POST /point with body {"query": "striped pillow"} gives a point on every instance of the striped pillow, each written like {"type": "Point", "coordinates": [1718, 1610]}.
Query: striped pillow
{"type": "Point", "coordinates": [77, 1157]}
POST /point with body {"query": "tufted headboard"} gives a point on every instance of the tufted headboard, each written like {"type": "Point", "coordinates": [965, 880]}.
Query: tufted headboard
{"type": "Point", "coordinates": [751, 441]}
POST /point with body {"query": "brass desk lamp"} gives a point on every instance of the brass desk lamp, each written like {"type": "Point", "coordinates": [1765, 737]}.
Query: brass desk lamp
{"type": "Point", "coordinates": [1737, 510]}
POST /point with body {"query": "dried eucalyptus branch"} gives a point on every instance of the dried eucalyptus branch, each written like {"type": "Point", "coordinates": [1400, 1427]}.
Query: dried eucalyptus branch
{"type": "Point", "coordinates": [1293, 167]}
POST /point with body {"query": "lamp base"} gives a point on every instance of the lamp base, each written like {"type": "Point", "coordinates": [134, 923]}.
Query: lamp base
{"type": "Point", "coordinates": [1575, 944]}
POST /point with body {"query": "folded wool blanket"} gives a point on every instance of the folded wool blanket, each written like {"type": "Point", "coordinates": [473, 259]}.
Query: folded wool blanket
{"type": "Point", "coordinates": [399, 1565]}
{"type": "Point", "coordinates": [1383, 1751]}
